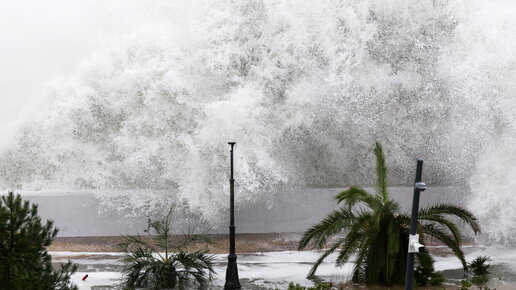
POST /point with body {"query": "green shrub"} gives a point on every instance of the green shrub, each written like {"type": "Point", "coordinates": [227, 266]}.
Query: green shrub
{"type": "Point", "coordinates": [160, 263]}
{"type": "Point", "coordinates": [25, 262]}
{"type": "Point", "coordinates": [425, 273]}
{"type": "Point", "coordinates": [317, 286]}
{"type": "Point", "coordinates": [479, 271]}
{"type": "Point", "coordinates": [465, 285]}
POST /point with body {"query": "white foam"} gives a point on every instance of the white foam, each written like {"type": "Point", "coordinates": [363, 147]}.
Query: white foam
{"type": "Point", "coordinates": [277, 269]}
{"type": "Point", "coordinates": [304, 89]}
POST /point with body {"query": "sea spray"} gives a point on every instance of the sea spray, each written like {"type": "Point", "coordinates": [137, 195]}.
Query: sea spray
{"type": "Point", "coordinates": [303, 88]}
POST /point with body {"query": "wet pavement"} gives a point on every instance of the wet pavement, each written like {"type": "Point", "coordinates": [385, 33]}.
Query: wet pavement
{"type": "Point", "coordinates": [274, 270]}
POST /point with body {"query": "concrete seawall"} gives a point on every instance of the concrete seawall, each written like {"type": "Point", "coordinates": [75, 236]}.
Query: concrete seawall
{"type": "Point", "coordinates": [79, 214]}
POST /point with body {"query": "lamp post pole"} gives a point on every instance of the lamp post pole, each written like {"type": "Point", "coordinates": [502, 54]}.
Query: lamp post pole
{"type": "Point", "coordinates": [414, 246]}
{"type": "Point", "coordinates": [232, 281]}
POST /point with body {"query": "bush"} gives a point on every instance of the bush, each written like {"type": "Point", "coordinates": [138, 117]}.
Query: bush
{"type": "Point", "coordinates": [318, 286]}
{"type": "Point", "coordinates": [479, 269]}
{"type": "Point", "coordinates": [425, 273]}
{"type": "Point", "coordinates": [160, 263]}
{"type": "Point", "coordinates": [25, 262]}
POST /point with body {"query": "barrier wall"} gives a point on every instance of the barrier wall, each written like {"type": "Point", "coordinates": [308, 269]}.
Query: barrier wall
{"type": "Point", "coordinates": [80, 214]}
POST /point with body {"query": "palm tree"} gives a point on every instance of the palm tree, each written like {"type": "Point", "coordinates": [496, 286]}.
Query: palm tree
{"type": "Point", "coordinates": [370, 227]}
{"type": "Point", "coordinates": [161, 263]}
{"type": "Point", "coordinates": [480, 270]}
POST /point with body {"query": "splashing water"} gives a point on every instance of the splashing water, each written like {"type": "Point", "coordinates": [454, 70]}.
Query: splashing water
{"type": "Point", "coordinates": [303, 88]}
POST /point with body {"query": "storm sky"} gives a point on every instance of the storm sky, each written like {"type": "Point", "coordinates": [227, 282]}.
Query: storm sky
{"type": "Point", "coordinates": [45, 40]}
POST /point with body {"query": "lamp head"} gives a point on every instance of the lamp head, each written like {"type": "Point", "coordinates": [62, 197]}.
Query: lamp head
{"type": "Point", "coordinates": [421, 186]}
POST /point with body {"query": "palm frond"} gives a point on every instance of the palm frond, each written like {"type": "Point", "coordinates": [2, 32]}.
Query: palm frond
{"type": "Point", "coordinates": [322, 257]}
{"type": "Point", "coordinates": [352, 242]}
{"type": "Point", "coordinates": [381, 172]}
{"type": "Point", "coordinates": [360, 270]}
{"type": "Point", "coordinates": [433, 231]}
{"type": "Point", "coordinates": [138, 253]}
{"type": "Point", "coordinates": [334, 223]}
{"type": "Point", "coordinates": [190, 237]}
{"type": "Point", "coordinates": [452, 227]}
{"type": "Point", "coordinates": [163, 231]}
{"type": "Point", "coordinates": [355, 195]}
{"type": "Point", "coordinates": [404, 219]}
{"type": "Point", "coordinates": [129, 241]}
{"type": "Point", "coordinates": [454, 210]}
{"type": "Point", "coordinates": [348, 244]}
{"type": "Point", "coordinates": [138, 266]}
{"type": "Point", "coordinates": [198, 265]}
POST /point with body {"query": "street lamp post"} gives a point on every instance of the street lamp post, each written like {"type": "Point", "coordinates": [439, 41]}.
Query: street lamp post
{"type": "Point", "coordinates": [232, 281]}
{"type": "Point", "coordinates": [414, 246]}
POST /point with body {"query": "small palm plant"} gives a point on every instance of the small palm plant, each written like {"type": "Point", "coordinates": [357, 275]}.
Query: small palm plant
{"type": "Point", "coordinates": [160, 263]}
{"type": "Point", "coordinates": [480, 270]}
{"type": "Point", "coordinates": [370, 227]}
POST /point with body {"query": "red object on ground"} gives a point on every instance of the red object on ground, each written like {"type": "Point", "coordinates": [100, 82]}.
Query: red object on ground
{"type": "Point", "coordinates": [84, 278]}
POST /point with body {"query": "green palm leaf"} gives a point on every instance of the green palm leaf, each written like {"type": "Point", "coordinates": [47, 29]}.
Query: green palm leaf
{"type": "Point", "coordinates": [360, 270]}
{"type": "Point", "coordinates": [381, 172]}
{"type": "Point", "coordinates": [454, 210]}
{"type": "Point", "coordinates": [355, 195]}
{"type": "Point", "coordinates": [198, 265]}
{"type": "Point", "coordinates": [353, 241]}
{"type": "Point", "coordinates": [334, 223]}
{"type": "Point", "coordinates": [452, 228]}
{"type": "Point", "coordinates": [439, 234]}
{"type": "Point", "coordinates": [324, 256]}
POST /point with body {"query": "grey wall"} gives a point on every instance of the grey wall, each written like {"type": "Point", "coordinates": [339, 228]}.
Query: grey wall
{"type": "Point", "coordinates": [78, 214]}
{"type": "Point", "coordinates": [296, 211]}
